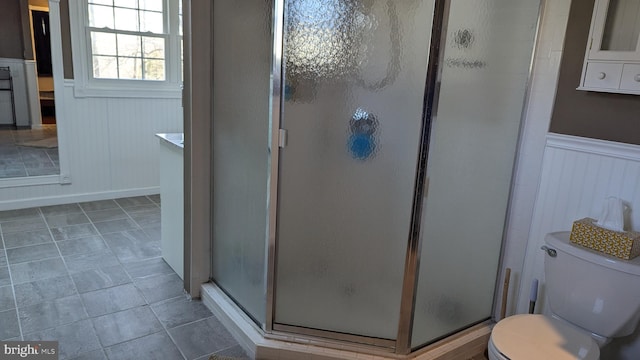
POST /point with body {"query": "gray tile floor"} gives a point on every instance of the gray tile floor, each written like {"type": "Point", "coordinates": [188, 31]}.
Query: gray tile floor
{"type": "Point", "coordinates": [90, 276]}
{"type": "Point", "coordinates": [19, 161]}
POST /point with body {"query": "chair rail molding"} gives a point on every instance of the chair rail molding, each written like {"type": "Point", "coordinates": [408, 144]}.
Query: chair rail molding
{"type": "Point", "coordinates": [594, 146]}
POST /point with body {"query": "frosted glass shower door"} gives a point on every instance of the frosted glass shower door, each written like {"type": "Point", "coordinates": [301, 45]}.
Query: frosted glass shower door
{"type": "Point", "coordinates": [354, 85]}
{"type": "Point", "coordinates": [473, 140]}
{"type": "Point", "coordinates": [241, 116]}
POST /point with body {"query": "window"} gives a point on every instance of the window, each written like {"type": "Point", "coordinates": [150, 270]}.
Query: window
{"type": "Point", "coordinates": [129, 44]}
{"type": "Point", "coordinates": [128, 39]}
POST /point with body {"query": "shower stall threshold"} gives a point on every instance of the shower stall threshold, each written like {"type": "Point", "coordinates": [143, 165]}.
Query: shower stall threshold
{"type": "Point", "coordinates": [468, 344]}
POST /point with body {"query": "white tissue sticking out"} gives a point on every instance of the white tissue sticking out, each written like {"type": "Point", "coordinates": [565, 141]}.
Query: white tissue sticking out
{"type": "Point", "coordinates": [612, 217]}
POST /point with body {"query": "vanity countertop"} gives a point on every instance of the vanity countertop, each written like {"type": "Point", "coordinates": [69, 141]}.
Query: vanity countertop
{"type": "Point", "coordinates": [176, 139]}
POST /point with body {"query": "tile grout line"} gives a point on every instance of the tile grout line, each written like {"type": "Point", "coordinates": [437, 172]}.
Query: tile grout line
{"type": "Point", "coordinates": [24, 166]}
{"type": "Point", "coordinates": [102, 349]}
{"type": "Point", "coordinates": [50, 159]}
{"type": "Point", "coordinates": [129, 340]}
{"type": "Point", "coordinates": [64, 262]}
{"type": "Point", "coordinates": [155, 203]}
{"type": "Point", "coordinates": [13, 288]}
{"type": "Point", "coordinates": [135, 222]}
{"type": "Point", "coordinates": [99, 234]}
{"type": "Point", "coordinates": [117, 258]}
{"type": "Point", "coordinates": [159, 206]}
{"type": "Point", "coordinates": [164, 327]}
{"type": "Point", "coordinates": [120, 262]}
{"type": "Point", "coordinates": [143, 295]}
{"type": "Point", "coordinates": [221, 350]}
{"type": "Point", "coordinates": [167, 332]}
{"type": "Point", "coordinates": [195, 321]}
{"type": "Point", "coordinates": [93, 325]}
{"type": "Point", "coordinates": [68, 273]}
{"type": "Point", "coordinates": [96, 229]}
{"type": "Point", "coordinates": [130, 217]}
{"type": "Point", "coordinates": [148, 303]}
{"type": "Point", "coordinates": [72, 282]}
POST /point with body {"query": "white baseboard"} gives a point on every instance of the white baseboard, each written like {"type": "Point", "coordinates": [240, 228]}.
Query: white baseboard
{"type": "Point", "coordinates": [74, 198]}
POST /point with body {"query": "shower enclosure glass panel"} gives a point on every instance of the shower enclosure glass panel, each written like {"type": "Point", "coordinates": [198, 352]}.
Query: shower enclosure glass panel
{"type": "Point", "coordinates": [354, 86]}
{"type": "Point", "coordinates": [241, 117]}
{"type": "Point", "coordinates": [485, 68]}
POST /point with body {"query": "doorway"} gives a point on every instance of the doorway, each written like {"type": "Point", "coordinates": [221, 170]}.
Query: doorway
{"type": "Point", "coordinates": [41, 42]}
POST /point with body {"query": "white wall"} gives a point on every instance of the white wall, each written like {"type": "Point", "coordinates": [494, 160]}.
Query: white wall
{"type": "Point", "coordinates": [110, 147]}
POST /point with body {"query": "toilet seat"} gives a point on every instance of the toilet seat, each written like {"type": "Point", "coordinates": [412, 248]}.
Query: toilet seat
{"type": "Point", "coordinates": [534, 337]}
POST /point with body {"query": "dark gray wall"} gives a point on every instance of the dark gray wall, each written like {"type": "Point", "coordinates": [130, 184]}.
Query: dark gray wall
{"type": "Point", "coordinates": [66, 39]}
{"type": "Point", "coordinates": [11, 39]}
{"type": "Point", "coordinates": [15, 34]}
{"type": "Point", "coordinates": [27, 46]}
{"type": "Point", "coordinates": [594, 115]}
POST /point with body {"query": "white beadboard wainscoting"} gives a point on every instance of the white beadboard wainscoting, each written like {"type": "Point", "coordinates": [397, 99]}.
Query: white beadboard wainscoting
{"type": "Point", "coordinates": [577, 175]}
{"type": "Point", "coordinates": [110, 149]}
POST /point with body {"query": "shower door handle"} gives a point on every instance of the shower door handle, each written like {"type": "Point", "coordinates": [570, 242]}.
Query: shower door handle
{"type": "Point", "coordinates": [282, 138]}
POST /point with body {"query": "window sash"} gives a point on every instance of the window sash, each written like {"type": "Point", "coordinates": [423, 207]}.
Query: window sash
{"type": "Point", "coordinates": [119, 56]}
{"type": "Point", "coordinates": [136, 72]}
{"type": "Point", "coordinates": [118, 12]}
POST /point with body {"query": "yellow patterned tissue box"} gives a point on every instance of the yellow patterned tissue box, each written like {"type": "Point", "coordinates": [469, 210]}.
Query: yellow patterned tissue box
{"type": "Point", "coordinates": [622, 244]}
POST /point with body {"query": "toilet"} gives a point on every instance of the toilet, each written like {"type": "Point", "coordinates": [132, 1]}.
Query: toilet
{"type": "Point", "coordinates": [592, 298]}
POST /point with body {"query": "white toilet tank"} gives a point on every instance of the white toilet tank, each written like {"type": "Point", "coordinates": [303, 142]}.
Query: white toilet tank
{"type": "Point", "coordinates": [597, 292]}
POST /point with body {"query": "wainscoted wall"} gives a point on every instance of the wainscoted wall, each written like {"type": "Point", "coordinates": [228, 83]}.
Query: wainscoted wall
{"type": "Point", "coordinates": [110, 148]}
{"type": "Point", "coordinates": [577, 175]}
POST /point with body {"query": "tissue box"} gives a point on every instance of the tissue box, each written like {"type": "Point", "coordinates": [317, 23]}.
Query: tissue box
{"type": "Point", "coordinates": [622, 244]}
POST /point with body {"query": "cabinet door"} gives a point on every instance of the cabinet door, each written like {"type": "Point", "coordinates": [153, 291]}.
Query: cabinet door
{"type": "Point", "coordinates": [615, 30]}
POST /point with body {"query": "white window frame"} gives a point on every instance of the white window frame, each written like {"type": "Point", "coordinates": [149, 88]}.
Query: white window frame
{"type": "Point", "coordinates": [88, 86]}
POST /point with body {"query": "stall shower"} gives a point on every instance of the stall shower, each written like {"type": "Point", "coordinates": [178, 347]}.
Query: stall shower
{"type": "Point", "coordinates": [363, 153]}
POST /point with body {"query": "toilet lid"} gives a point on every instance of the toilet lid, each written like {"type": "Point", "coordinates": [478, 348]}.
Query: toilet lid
{"type": "Point", "coordinates": [524, 337]}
